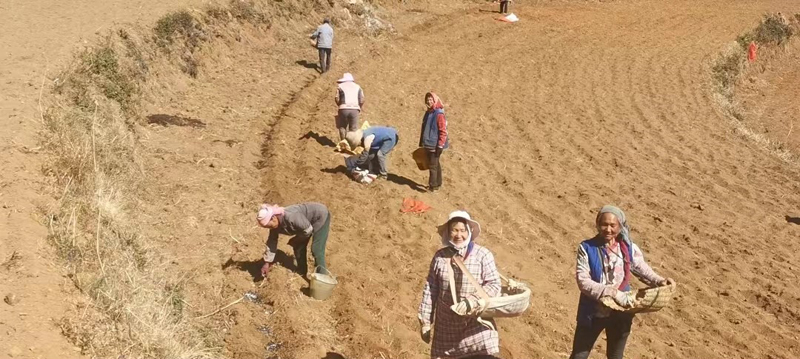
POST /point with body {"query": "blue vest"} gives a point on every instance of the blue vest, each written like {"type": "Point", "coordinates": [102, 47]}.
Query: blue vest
{"type": "Point", "coordinates": [430, 130]}
{"type": "Point", "coordinates": [382, 134]}
{"type": "Point", "coordinates": [596, 251]}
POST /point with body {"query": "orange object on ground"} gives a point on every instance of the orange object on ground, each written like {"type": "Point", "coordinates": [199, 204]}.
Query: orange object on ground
{"type": "Point", "coordinates": [411, 205]}
{"type": "Point", "coordinates": [751, 51]}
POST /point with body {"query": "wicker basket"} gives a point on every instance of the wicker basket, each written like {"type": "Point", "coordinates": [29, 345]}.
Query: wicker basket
{"type": "Point", "coordinates": [514, 300]}
{"type": "Point", "coordinates": [644, 300]}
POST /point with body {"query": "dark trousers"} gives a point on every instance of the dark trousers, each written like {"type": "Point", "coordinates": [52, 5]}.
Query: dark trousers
{"type": "Point", "coordinates": [617, 327]}
{"type": "Point", "coordinates": [435, 169]}
{"type": "Point", "coordinates": [318, 241]}
{"type": "Point", "coordinates": [504, 7]}
{"type": "Point", "coordinates": [324, 59]}
{"type": "Point", "coordinates": [347, 121]}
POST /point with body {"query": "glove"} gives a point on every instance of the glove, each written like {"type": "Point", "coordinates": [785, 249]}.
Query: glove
{"type": "Point", "coordinates": [265, 269]}
{"type": "Point", "coordinates": [469, 307]}
{"type": "Point", "coordinates": [622, 299]}
{"type": "Point", "coordinates": [438, 150]}
{"type": "Point", "coordinates": [425, 333]}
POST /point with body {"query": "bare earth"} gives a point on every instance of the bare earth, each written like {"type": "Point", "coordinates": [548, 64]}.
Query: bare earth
{"type": "Point", "coordinates": [577, 105]}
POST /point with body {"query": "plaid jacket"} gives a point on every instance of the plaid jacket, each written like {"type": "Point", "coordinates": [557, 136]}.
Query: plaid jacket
{"type": "Point", "coordinates": [455, 336]}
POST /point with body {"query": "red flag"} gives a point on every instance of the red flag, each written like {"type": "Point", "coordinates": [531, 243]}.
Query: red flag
{"type": "Point", "coordinates": [751, 52]}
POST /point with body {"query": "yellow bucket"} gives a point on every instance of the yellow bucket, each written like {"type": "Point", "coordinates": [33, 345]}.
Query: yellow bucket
{"type": "Point", "coordinates": [322, 285]}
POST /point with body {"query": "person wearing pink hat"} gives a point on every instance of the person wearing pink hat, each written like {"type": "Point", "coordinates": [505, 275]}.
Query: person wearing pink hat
{"type": "Point", "coordinates": [304, 221]}
{"type": "Point", "coordinates": [456, 335]}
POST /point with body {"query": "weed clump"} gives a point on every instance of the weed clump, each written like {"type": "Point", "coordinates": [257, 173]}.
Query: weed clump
{"type": "Point", "coordinates": [774, 29]}
{"type": "Point", "coordinates": [172, 25]}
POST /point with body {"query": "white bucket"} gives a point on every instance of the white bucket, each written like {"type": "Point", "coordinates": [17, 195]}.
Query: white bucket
{"type": "Point", "coordinates": [322, 285]}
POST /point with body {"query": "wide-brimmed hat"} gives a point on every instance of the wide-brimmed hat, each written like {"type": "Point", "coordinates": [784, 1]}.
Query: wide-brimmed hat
{"type": "Point", "coordinates": [474, 226]}
{"type": "Point", "coordinates": [347, 77]}
{"type": "Point", "coordinates": [354, 138]}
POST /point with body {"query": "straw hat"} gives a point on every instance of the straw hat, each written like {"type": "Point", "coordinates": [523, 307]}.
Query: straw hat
{"type": "Point", "coordinates": [474, 226]}
{"type": "Point", "coordinates": [347, 77]}
{"type": "Point", "coordinates": [354, 138]}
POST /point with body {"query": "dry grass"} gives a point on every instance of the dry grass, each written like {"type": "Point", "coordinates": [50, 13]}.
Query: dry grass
{"type": "Point", "coordinates": [774, 31]}
{"type": "Point", "coordinates": [134, 303]}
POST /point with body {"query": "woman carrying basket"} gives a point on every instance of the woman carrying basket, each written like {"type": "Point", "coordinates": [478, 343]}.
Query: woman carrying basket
{"type": "Point", "coordinates": [604, 267]}
{"type": "Point", "coordinates": [455, 335]}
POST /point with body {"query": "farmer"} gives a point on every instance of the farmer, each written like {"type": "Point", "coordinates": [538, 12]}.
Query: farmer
{"type": "Point", "coordinates": [457, 336]}
{"type": "Point", "coordinates": [303, 221]}
{"type": "Point", "coordinates": [324, 37]}
{"type": "Point", "coordinates": [504, 6]}
{"type": "Point", "coordinates": [378, 142]}
{"type": "Point", "coordinates": [604, 268]}
{"type": "Point", "coordinates": [433, 137]}
{"type": "Point", "coordinates": [350, 99]}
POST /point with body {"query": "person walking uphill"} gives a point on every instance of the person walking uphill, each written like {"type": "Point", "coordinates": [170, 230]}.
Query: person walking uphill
{"type": "Point", "coordinates": [303, 221]}
{"type": "Point", "coordinates": [350, 99]}
{"type": "Point", "coordinates": [324, 37]}
{"type": "Point", "coordinates": [456, 336]}
{"type": "Point", "coordinates": [433, 137]}
{"type": "Point", "coordinates": [378, 142]}
{"type": "Point", "coordinates": [604, 267]}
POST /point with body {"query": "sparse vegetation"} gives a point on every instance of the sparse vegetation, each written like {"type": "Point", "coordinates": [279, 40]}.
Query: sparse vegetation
{"type": "Point", "coordinates": [135, 302]}
{"type": "Point", "coordinates": [173, 25]}
{"type": "Point", "coordinates": [774, 30]}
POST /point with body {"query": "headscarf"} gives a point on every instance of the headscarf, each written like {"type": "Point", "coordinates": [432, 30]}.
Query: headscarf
{"type": "Point", "coordinates": [625, 231]}
{"type": "Point", "coordinates": [267, 211]}
{"type": "Point", "coordinates": [437, 103]}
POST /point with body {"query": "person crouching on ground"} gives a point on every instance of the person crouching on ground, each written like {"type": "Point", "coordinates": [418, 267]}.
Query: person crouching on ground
{"type": "Point", "coordinates": [604, 267]}
{"type": "Point", "coordinates": [378, 142]}
{"type": "Point", "coordinates": [456, 336]}
{"type": "Point", "coordinates": [304, 221]}
{"type": "Point", "coordinates": [434, 138]}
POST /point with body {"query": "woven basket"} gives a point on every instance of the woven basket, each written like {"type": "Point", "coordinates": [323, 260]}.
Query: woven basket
{"type": "Point", "coordinates": [644, 300]}
{"type": "Point", "coordinates": [420, 156]}
{"type": "Point", "coordinates": [514, 300]}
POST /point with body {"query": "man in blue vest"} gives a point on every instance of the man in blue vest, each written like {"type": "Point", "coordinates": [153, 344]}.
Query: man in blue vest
{"type": "Point", "coordinates": [378, 142]}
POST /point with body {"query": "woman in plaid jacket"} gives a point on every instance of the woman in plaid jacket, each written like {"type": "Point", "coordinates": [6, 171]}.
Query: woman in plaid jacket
{"type": "Point", "coordinates": [456, 336]}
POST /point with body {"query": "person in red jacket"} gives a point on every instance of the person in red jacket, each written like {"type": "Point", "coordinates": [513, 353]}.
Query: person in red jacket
{"type": "Point", "coordinates": [434, 138]}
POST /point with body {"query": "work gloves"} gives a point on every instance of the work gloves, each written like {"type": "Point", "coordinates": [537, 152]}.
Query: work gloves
{"type": "Point", "coordinates": [425, 333]}
{"type": "Point", "coordinates": [469, 307]}
{"type": "Point", "coordinates": [623, 299]}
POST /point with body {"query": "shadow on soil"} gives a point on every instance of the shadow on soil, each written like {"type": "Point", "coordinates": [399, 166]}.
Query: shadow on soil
{"type": "Point", "coordinates": [254, 267]}
{"type": "Point", "coordinates": [331, 355]}
{"type": "Point", "coordinates": [171, 120]}
{"type": "Point", "coordinates": [403, 181]}
{"type": "Point", "coordinates": [793, 220]}
{"type": "Point", "coordinates": [307, 65]}
{"type": "Point", "coordinates": [339, 169]}
{"type": "Point", "coordinates": [322, 140]}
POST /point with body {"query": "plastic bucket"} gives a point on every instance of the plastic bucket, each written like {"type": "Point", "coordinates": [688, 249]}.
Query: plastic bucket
{"type": "Point", "coordinates": [322, 285]}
